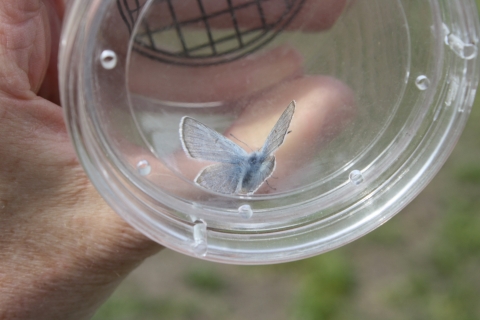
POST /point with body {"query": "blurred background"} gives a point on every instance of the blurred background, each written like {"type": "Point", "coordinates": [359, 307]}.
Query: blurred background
{"type": "Point", "coordinates": [422, 264]}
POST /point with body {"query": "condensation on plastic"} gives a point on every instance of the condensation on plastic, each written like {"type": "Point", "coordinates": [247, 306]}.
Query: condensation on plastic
{"type": "Point", "coordinates": [412, 66]}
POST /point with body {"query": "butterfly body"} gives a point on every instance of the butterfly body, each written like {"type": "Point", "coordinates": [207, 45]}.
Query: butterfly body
{"type": "Point", "coordinates": [237, 172]}
{"type": "Point", "coordinates": [256, 163]}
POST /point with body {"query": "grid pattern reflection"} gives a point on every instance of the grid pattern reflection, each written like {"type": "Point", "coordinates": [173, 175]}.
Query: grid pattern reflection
{"type": "Point", "coordinates": [202, 32]}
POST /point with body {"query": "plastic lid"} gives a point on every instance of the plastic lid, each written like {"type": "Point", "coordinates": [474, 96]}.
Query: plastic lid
{"type": "Point", "coordinates": [382, 90]}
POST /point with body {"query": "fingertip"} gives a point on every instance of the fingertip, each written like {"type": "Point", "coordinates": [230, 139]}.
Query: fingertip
{"type": "Point", "coordinates": [325, 106]}
{"type": "Point", "coordinates": [318, 15]}
{"type": "Point", "coordinates": [224, 82]}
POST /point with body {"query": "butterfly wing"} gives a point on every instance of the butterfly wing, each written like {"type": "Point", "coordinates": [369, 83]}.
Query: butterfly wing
{"type": "Point", "coordinates": [279, 131]}
{"type": "Point", "coordinates": [201, 142]}
{"type": "Point", "coordinates": [222, 178]}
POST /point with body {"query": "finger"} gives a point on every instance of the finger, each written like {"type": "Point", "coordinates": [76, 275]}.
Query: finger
{"type": "Point", "coordinates": [24, 47]}
{"type": "Point", "coordinates": [324, 106]}
{"type": "Point", "coordinates": [313, 15]}
{"type": "Point", "coordinates": [216, 83]}
{"type": "Point", "coordinates": [49, 88]}
{"type": "Point", "coordinates": [317, 15]}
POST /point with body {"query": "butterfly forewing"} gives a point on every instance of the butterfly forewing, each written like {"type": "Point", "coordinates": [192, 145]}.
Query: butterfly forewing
{"type": "Point", "coordinates": [201, 142]}
{"type": "Point", "coordinates": [279, 131]}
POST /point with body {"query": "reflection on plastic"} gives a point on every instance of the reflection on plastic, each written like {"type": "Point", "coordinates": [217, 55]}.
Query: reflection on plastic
{"type": "Point", "coordinates": [200, 246]}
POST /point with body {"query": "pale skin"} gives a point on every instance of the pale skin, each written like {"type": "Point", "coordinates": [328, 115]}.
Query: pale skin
{"type": "Point", "coordinates": [63, 250]}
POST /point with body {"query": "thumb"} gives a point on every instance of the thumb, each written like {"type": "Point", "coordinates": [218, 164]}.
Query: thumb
{"type": "Point", "coordinates": [25, 46]}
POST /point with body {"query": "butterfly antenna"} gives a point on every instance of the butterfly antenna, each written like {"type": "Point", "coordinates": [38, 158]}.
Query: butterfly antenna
{"type": "Point", "coordinates": [242, 142]}
{"type": "Point", "coordinates": [270, 185]}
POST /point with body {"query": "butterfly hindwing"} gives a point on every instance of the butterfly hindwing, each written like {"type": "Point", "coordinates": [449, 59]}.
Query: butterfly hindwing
{"type": "Point", "coordinates": [222, 178]}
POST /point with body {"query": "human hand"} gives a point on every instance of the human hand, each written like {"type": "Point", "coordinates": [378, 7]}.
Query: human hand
{"type": "Point", "coordinates": [62, 249]}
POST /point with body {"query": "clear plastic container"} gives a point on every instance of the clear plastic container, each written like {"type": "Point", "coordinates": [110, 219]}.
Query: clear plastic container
{"type": "Point", "coordinates": [383, 89]}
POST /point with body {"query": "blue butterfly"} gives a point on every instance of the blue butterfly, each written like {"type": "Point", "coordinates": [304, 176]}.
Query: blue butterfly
{"type": "Point", "coordinates": [237, 172]}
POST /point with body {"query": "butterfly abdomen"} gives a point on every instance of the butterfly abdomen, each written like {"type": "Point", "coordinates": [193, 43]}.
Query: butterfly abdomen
{"type": "Point", "coordinates": [257, 169]}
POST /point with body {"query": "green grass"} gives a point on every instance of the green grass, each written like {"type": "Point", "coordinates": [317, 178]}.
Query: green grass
{"type": "Point", "coordinates": [470, 173]}
{"type": "Point", "coordinates": [327, 287]}
{"type": "Point", "coordinates": [144, 308]}
{"type": "Point", "coordinates": [205, 279]}
{"type": "Point", "coordinates": [445, 283]}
